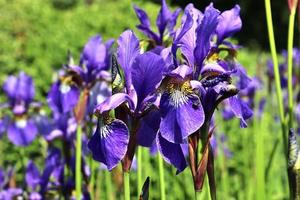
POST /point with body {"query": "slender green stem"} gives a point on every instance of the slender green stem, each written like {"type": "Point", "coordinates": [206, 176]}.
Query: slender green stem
{"type": "Point", "coordinates": [139, 170]}
{"type": "Point", "coordinates": [197, 195]}
{"type": "Point", "coordinates": [126, 185]}
{"type": "Point", "coordinates": [161, 177]}
{"type": "Point", "coordinates": [276, 73]}
{"type": "Point", "coordinates": [108, 185]}
{"type": "Point", "coordinates": [290, 62]}
{"type": "Point", "coordinates": [93, 178]}
{"type": "Point", "coordinates": [78, 163]}
{"type": "Point", "coordinates": [260, 165]}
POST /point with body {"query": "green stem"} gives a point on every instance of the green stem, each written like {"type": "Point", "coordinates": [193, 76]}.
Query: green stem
{"type": "Point", "coordinates": [139, 170]}
{"type": "Point", "coordinates": [197, 195]}
{"type": "Point", "coordinates": [78, 163]}
{"type": "Point", "coordinates": [290, 62]}
{"type": "Point", "coordinates": [276, 73]}
{"type": "Point", "coordinates": [126, 185]}
{"type": "Point", "coordinates": [108, 185]}
{"type": "Point", "coordinates": [260, 165]}
{"type": "Point", "coordinates": [161, 177]}
{"type": "Point", "coordinates": [93, 178]}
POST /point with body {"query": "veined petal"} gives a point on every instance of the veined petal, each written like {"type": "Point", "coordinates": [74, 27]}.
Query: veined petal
{"type": "Point", "coordinates": [146, 74]}
{"type": "Point", "coordinates": [22, 132]}
{"type": "Point", "coordinates": [204, 33]}
{"type": "Point", "coordinates": [128, 50]}
{"type": "Point", "coordinates": [114, 101]}
{"type": "Point", "coordinates": [241, 110]}
{"type": "Point", "coordinates": [172, 153]}
{"type": "Point", "coordinates": [109, 143]}
{"type": "Point", "coordinates": [181, 116]}
{"type": "Point", "coordinates": [229, 23]}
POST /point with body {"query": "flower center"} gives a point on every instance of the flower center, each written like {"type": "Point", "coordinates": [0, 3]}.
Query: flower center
{"type": "Point", "coordinates": [179, 93]}
{"type": "Point", "coordinates": [64, 88]}
{"type": "Point", "coordinates": [21, 123]}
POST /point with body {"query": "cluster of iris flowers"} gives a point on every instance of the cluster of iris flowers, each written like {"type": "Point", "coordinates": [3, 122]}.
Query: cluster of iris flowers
{"type": "Point", "coordinates": [160, 92]}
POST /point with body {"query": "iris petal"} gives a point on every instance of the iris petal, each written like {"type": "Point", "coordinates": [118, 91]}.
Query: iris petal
{"type": "Point", "coordinates": [109, 143]}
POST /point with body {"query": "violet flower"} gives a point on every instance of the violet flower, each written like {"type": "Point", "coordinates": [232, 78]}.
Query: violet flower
{"type": "Point", "coordinates": [165, 22]}
{"type": "Point", "coordinates": [142, 74]}
{"type": "Point", "coordinates": [21, 129]}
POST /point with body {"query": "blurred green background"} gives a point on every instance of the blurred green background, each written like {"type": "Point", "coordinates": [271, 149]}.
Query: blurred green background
{"type": "Point", "coordinates": [35, 36]}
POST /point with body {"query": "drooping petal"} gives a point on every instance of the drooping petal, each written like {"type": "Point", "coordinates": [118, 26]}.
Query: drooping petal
{"type": "Point", "coordinates": [172, 153]}
{"type": "Point", "coordinates": [32, 176]}
{"type": "Point", "coordinates": [204, 33]}
{"type": "Point", "coordinates": [142, 16]}
{"type": "Point", "coordinates": [128, 50]}
{"type": "Point", "coordinates": [173, 20]}
{"type": "Point", "coordinates": [62, 97]}
{"type": "Point", "coordinates": [109, 143]}
{"type": "Point", "coordinates": [146, 74]}
{"type": "Point", "coordinates": [149, 126]}
{"type": "Point", "coordinates": [229, 23]}
{"type": "Point", "coordinates": [241, 110]}
{"type": "Point", "coordinates": [114, 101]}
{"type": "Point", "coordinates": [22, 132]}
{"type": "Point", "coordinates": [180, 116]}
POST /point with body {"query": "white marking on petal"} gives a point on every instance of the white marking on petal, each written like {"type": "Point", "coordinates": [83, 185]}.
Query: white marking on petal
{"type": "Point", "coordinates": [64, 88]}
{"type": "Point", "coordinates": [178, 98]}
{"type": "Point", "coordinates": [105, 131]}
{"type": "Point", "coordinates": [21, 123]}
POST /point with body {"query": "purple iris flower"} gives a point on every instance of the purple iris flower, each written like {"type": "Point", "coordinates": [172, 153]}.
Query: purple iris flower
{"type": "Point", "coordinates": [94, 63]}
{"type": "Point", "coordinates": [165, 22]}
{"type": "Point", "coordinates": [33, 180]}
{"type": "Point", "coordinates": [21, 129]}
{"type": "Point", "coordinates": [142, 75]}
{"type": "Point", "coordinates": [8, 193]}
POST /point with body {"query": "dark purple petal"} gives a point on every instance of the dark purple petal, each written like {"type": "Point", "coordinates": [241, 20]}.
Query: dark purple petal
{"type": "Point", "coordinates": [240, 109]}
{"type": "Point", "coordinates": [109, 143]}
{"type": "Point", "coordinates": [3, 125]}
{"type": "Point", "coordinates": [146, 74]}
{"type": "Point", "coordinates": [149, 126]}
{"type": "Point", "coordinates": [32, 176]}
{"type": "Point", "coordinates": [172, 153]}
{"type": "Point", "coordinates": [128, 50]}
{"type": "Point", "coordinates": [163, 18]}
{"type": "Point", "coordinates": [204, 33]}
{"type": "Point", "coordinates": [173, 20]}
{"type": "Point", "coordinates": [114, 101]}
{"type": "Point", "coordinates": [142, 16]}
{"type": "Point", "coordinates": [94, 53]}
{"type": "Point", "coordinates": [22, 132]}
{"type": "Point", "coordinates": [181, 116]}
{"type": "Point", "coordinates": [229, 23]}
{"type": "Point", "coordinates": [62, 97]}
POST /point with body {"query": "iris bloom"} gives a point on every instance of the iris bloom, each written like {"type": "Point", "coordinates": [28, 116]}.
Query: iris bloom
{"type": "Point", "coordinates": [165, 22]}
{"type": "Point", "coordinates": [142, 74]}
{"type": "Point", "coordinates": [21, 129]}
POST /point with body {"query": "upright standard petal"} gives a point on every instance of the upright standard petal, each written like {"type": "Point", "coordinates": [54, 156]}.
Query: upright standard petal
{"type": "Point", "coordinates": [128, 50]}
{"type": "Point", "coordinates": [146, 74]}
{"type": "Point", "coordinates": [32, 176]}
{"type": "Point", "coordinates": [204, 33]}
{"type": "Point", "coordinates": [229, 23]}
{"type": "Point", "coordinates": [172, 153]}
{"type": "Point", "coordinates": [94, 53]}
{"type": "Point", "coordinates": [109, 143]}
{"type": "Point", "coordinates": [181, 115]}
{"type": "Point", "coordinates": [22, 132]}
{"type": "Point", "coordinates": [163, 18]}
